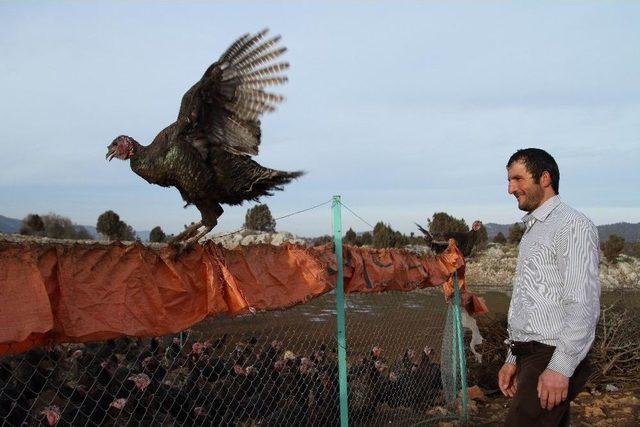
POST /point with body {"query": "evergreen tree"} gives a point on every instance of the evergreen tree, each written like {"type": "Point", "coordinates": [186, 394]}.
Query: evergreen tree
{"type": "Point", "coordinates": [500, 239]}
{"type": "Point", "coordinates": [365, 239]}
{"type": "Point", "coordinates": [319, 241]}
{"type": "Point", "coordinates": [259, 218]}
{"type": "Point", "coordinates": [32, 224]}
{"type": "Point", "coordinates": [383, 236]}
{"type": "Point", "coordinates": [632, 249]}
{"type": "Point", "coordinates": [110, 225]}
{"type": "Point", "coordinates": [157, 235]}
{"type": "Point", "coordinates": [350, 237]}
{"type": "Point", "coordinates": [442, 222]}
{"type": "Point", "coordinates": [399, 240]}
{"type": "Point", "coordinates": [612, 247]}
{"type": "Point", "coordinates": [516, 231]}
{"type": "Point", "coordinates": [127, 232]}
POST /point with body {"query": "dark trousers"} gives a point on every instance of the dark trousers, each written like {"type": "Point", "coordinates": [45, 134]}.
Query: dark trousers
{"type": "Point", "coordinates": [525, 410]}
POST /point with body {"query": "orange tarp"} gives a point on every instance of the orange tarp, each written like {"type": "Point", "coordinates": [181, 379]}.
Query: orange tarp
{"type": "Point", "coordinates": [377, 270]}
{"type": "Point", "coordinates": [77, 292]}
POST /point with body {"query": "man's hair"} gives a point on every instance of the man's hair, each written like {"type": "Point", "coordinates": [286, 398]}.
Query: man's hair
{"type": "Point", "coordinates": [538, 161]}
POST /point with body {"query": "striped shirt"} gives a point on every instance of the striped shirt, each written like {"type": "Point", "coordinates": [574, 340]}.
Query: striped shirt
{"type": "Point", "coordinates": [556, 291]}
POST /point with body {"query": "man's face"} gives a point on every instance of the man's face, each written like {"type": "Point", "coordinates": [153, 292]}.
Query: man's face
{"type": "Point", "coordinates": [524, 188]}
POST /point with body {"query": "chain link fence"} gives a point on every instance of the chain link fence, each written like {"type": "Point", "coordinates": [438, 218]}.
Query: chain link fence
{"type": "Point", "coordinates": [270, 369]}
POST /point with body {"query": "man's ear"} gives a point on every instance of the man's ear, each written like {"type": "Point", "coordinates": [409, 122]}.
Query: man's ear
{"type": "Point", "coordinates": [545, 179]}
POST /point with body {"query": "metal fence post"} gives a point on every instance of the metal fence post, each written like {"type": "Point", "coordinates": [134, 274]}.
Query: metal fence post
{"type": "Point", "coordinates": [342, 339]}
{"type": "Point", "coordinates": [454, 350]}
{"type": "Point", "coordinates": [460, 347]}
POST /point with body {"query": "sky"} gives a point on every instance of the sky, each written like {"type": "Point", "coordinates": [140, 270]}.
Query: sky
{"type": "Point", "coordinates": [403, 109]}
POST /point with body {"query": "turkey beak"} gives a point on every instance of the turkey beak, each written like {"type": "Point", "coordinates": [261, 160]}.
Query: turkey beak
{"type": "Point", "coordinates": [111, 152]}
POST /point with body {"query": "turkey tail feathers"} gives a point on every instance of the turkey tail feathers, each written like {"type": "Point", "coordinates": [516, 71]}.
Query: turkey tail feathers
{"type": "Point", "coordinates": [426, 233]}
{"type": "Point", "coordinates": [275, 180]}
{"type": "Point", "coordinates": [436, 246]}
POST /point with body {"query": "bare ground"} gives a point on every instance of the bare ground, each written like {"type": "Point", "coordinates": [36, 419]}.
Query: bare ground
{"type": "Point", "coordinates": [590, 408]}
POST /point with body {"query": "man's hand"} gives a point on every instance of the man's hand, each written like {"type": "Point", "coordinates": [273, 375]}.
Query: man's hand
{"type": "Point", "coordinates": [552, 389]}
{"type": "Point", "coordinates": [507, 380]}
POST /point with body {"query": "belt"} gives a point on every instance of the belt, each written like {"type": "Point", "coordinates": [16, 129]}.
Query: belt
{"type": "Point", "coordinates": [523, 348]}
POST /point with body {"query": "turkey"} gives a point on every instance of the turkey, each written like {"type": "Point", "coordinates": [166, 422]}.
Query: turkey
{"type": "Point", "coordinates": [466, 241]}
{"type": "Point", "coordinates": [206, 153]}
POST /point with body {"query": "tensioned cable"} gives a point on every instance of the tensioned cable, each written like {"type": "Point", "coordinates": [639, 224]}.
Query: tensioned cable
{"type": "Point", "coordinates": [303, 210]}
{"type": "Point", "coordinates": [356, 215]}
{"type": "Point", "coordinates": [278, 218]}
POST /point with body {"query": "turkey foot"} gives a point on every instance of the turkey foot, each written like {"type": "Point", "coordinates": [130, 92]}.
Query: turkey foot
{"type": "Point", "coordinates": [188, 232]}
{"type": "Point", "coordinates": [205, 230]}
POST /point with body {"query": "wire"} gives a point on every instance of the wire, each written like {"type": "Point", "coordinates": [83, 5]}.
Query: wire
{"type": "Point", "coordinates": [228, 234]}
{"type": "Point", "coordinates": [303, 210]}
{"type": "Point", "coordinates": [356, 215]}
{"type": "Point", "coordinates": [276, 219]}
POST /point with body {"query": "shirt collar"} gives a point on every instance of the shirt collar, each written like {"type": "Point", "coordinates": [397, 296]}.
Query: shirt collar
{"type": "Point", "coordinates": [542, 212]}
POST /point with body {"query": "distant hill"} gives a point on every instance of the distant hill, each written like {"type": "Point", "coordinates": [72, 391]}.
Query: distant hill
{"type": "Point", "coordinates": [12, 225]}
{"type": "Point", "coordinates": [9, 225]}
{"type": "Point", "coordinates": [493, 229]}
{"type": "Point", "coordinates": [629, 232]}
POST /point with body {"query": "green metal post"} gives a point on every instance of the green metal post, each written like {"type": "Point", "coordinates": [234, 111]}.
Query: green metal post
{"type": "Point", "coordinates": [460, 347]}
{"type": "Point", "coordinates": [454, 349]}
{"type": "Point", "coordinates": [342, 339]}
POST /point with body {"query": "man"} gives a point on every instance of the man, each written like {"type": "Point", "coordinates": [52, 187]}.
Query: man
{"type": "Point", "coordinates": [556, 297]}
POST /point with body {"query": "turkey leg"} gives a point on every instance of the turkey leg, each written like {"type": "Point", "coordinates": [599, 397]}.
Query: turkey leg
{"type": "Point", "coordinates": [210, 214]}
{"type": "Point", "coordinates": [205, 230]}
{"type": "Point", "coordinates": [188, 232]}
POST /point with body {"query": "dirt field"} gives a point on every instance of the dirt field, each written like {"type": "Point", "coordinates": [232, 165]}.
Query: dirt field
{"type": "Point", "coordinates": [393, 321]}
{"type": "Point", "coordinates": [608, 409]}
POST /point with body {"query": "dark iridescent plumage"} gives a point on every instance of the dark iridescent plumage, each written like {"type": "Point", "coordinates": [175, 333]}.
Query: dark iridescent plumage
{"type": "Point", "coordinates": [206, 153]}
{"type": "Point", "coordinates": [466, 241]}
